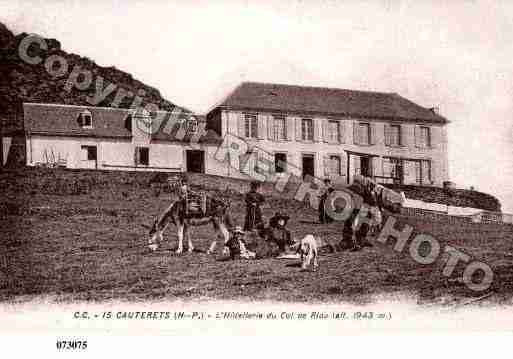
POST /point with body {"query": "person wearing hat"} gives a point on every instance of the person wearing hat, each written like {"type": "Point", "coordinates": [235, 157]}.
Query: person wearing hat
{"type": "Point", "coordinates": [184, 187]}
{"type": "Point", "coordinates": [323, 216]}
{"type": "Point", "coordinates": [253, 200]}
{"type": "Point", "coordinates": [194, 203]}
{"type": "Point", "coordinates": [237, 245]}
{"type": "Point", "coordinates": [279, 232]}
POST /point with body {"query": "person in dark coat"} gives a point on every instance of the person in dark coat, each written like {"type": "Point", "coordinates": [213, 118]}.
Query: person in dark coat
{"type": "Point", "coordinates": [324, 217]}
{"type": "Point", "coordinates": [253, 211]}
{"type": "Point", "coordinates": [279, 232]}
{"type": "Point", "coordinates": [356, 238]}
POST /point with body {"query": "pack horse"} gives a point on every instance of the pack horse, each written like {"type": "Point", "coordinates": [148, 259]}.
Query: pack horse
{"type": "Point", "coordinates": [191, 210]}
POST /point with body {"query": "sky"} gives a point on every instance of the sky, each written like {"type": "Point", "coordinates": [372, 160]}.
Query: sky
{"type": "Point", "coordinates": [456, 56]}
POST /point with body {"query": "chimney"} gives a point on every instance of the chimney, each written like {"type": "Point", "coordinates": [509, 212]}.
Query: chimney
{"type": "Point", "coordinates": [435, 110]}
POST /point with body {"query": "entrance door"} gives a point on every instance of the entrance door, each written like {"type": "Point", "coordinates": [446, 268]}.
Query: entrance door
{"type": "Point", "coordinates": [280, 162]}
{"type": "Point", "coordinates": [366, 166]}
{"type": "Point", "coordinates": [195, 161]}
{"type": "Point", "coordinates": [308, 165]}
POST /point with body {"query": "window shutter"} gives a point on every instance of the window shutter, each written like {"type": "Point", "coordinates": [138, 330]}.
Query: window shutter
{"type": "Point", "coordinates": [316, 129]}
{"type": "Point", "coordinates": [261, 126]}
{"type": "Point", "coordinates": [136, 156]}
{"type": "Point", "coordinates": [341, 132]}
{"type": "Point", "coordinates": [326, 165]}
{"type": "Point", "coordinates": [388, 135]}
{"type": "Point", "coordinates": [356, 139]}
{"type": "Point", "coordinates": [325, 130]}
{"type": "Point", "coordinates": [434, 136]}
{"type": "Point", "coordinates": [270, 127]}
{"type": "Point", "coordinates": [356, 164]}
{"type": "Point", "coordinates": [373, 133]}
{"type": "Point", "coordinates": [289, 131]}
{"type": "Point", "coordinates": [241, 121]}
{"type": "Point", "coordinates": [298, 128]}
{"type": "Point", "coordinates": [417, 136]}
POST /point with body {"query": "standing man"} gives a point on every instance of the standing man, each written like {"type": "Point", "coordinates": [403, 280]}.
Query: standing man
{"type": "Point", "coordinates": [253, 211]}
{"type": "Point", "coordinates": [323, 216]}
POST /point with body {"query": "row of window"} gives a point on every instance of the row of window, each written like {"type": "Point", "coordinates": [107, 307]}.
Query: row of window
{"type": "Point", "coordinates": [333, 131]}
{"type": "Point", "coordinates": [394, 170]}
{"type": "Point", "coordinates": [85, 121]}
{"type": "Point", "coordinates": [398, 170]}
{"type": "Point", "coordinates": [141, 155]}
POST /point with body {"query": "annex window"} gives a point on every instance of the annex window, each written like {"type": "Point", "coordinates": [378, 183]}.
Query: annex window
{"type": "Point", "coordinates": [280, 162]}
{"type": "Point", "coordinates": [307, 129]}
{"type": "Point", "coordinates": [192, 126]}
{"type": "Point", "coordinates": [279, 128]}
{"type": "Point", "coordinates": [142, 156]}
{"type": "Point", "coordinates": [333, 131]}
{"type": "Point", "coordinates": [89, 153]}
{"type": "Point", "coordinates": [363, 133]}
{"type": "Point", "coordinates": [250, 126]}
{"type": "Point", "coordinates": [85, 119]}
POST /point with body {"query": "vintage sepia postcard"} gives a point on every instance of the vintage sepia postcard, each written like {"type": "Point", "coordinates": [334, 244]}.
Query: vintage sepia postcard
{"type": "Point", "coordinates": [187, 168]}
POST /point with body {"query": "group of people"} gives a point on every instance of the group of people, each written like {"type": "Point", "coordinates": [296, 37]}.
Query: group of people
{"type": "Point", "coordinates": [354, 233]}
{"type": "Point", "coordinates": [276, 231]}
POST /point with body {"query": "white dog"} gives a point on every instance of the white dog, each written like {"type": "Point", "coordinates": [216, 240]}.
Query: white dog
{"type": "Point", "coordinates": [307, 248]}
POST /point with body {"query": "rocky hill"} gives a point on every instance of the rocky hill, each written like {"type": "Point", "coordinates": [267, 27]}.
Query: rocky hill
{"type": "Point", "coordinates": [23, 82]}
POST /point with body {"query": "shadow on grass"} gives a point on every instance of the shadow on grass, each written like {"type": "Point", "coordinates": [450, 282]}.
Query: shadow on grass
{"type": "Point", "coordinates": [294, 265]}
{"type": "Point", "coordinates": [309, 222]}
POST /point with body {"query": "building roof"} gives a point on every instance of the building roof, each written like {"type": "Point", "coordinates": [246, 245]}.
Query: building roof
{"type": "Point", "coordinates": [55, 119]}
{"type": "Point", "coordinates": [327, 101]}
{"type": "Point", "coordinates": [165, 132]}
{"type": "Point", "coordinates": [62, 120]}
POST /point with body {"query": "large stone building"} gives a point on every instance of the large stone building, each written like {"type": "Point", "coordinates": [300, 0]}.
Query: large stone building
{"type": "Point", "coordinates": [314, 131]}
{"type": "Point", "coordinates": [336, 133]}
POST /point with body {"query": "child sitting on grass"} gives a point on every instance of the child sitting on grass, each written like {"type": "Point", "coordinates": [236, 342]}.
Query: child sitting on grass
{"type": "Point", "coordinates": [237, 245]}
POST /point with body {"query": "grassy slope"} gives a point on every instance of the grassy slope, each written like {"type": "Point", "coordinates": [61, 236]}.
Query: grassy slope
{"type": "Point", "coordinates": [91, 247]}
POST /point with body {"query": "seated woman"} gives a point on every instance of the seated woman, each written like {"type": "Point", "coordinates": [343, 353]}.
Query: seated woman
{"type": "Point", "coordinates": [278, 231]}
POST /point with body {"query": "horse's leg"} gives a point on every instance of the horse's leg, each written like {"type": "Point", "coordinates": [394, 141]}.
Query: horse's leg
{"type": "Point", "coordinates": [181, 227]}
{"type": "Point", "coordinates": [221, 233]}
{"type": "Point", "coordinates": [190, 247]}
{"type": "Point", "coordinates": [153, 243]}
{"type": "Point", "coordinates": [226, 236]}
{"type": "Point", "coordinates": [212, 246]}
{"type": "Point", "coordinates": [315, 260]}
{"type": "Point", "coordinates": [214, 242]}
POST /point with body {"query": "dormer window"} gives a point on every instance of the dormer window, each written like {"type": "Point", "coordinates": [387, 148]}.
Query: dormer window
{"type": "Point", "coordinates": [85, 119]}
{"type": "Point", "coordinates": [192, 126]}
